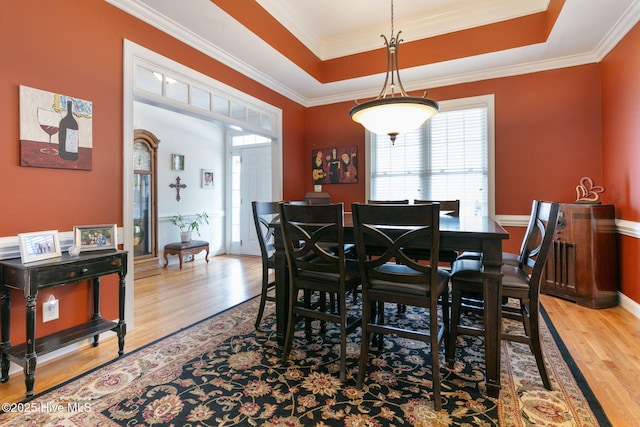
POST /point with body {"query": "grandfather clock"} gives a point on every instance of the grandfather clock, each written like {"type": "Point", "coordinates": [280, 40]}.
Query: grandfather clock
{"type": "Point", "coordinates": [145, 207]}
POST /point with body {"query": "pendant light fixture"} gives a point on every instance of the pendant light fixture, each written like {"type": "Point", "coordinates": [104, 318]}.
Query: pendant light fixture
{"type": "Point", "coordinates": [393, 111]}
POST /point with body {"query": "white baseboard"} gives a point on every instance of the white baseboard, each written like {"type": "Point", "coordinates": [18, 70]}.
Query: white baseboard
{"type": "Point", "coordinates": [628, 304]}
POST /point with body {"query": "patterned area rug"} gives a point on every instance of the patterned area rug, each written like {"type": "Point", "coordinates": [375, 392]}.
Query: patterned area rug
{"type": "Point", "coordinates": [222, 372]}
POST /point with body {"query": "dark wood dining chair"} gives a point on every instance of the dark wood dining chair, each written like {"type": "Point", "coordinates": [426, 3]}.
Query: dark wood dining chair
{"type": "Point", "coordinates": [529, 243]}
{"type": "Point", "coordinates": [395, 277]}
{"type": "Point", "coordinates": [521, 282]}
{"type": "Point", "coordinates": [263, 214]}
{"type": "Point", "coordinates": [315, 269]}
{"type": "Point", "coordinates": [449, 208]}
{"type": "Point", "coordinates": [388, 202]}
{"type": "Point", "coordinates": [372, 250]}
{"type": "Point", "coordinates": [314, 198]}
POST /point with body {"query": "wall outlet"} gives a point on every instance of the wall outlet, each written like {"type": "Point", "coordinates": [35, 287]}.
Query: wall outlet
{"type": "Point", "coordinates": [50, 310]}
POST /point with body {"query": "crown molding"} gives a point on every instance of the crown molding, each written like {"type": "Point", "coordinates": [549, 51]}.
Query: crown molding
{"type": "Point", "coordinates": [438, 20]}
{"type": "Point", "coordinates": [186, 36]}
{"type": "Point", "coordinates": [454, 79]}
{"type": "Point", "coordinates": [617, 33]}
{"type": "Point", "coordinates": [140, 11]}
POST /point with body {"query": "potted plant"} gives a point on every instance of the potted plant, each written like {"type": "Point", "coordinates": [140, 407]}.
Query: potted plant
{"type": "Point", "coordinates": [189, 224]}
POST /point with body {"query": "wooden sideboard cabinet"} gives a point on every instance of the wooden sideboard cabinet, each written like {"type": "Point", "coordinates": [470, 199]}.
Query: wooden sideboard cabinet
{"type": "Point", "coordinates": [583, 265]}
{"type": "Point", "coordinates": [34, 276]}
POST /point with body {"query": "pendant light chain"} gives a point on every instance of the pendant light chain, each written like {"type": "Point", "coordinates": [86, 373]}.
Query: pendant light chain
{"type": "Point", "coordinates": [392, 32]}
{"type": "Point", "coordinates": [392, 60]}
{"type": "Point", "coordinates": [393, 111]}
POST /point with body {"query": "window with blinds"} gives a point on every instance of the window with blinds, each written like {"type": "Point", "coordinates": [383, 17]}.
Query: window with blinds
{"type": "Point", "coordinates": [448, 158]}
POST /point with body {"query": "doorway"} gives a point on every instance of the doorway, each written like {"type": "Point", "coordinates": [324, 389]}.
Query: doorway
{"type": "Point", "coordinates": [250, 179]}
{"type": "Point", "coordinates": [208, 98]}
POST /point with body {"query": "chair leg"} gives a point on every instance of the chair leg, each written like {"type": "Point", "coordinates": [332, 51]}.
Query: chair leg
{"type": "Point", "coordinates": [364, 342]}
{"type": "Point", "coordinates": [291, 323]}
{"type": "Point", "coordinates": [536, 346]}
{"type": "Point", "coordinates": [263, 297]}
{"type": "Point", "coordinates": [435, 361]}
{"type": "Point", "coordinates": [342, 306]}
{"type": "Point", "coordinates": [263, 300]}
{"type": "Point", "coordinates": [307, 321]}
{"type": "Point", "coordinates": [323, 307]}
{"type": "Point", "coordinates": [446, 321]}
{"type": "Point", "coordinates": [378, 318]}
{"type": "Point", "coordinates": [456, 301]}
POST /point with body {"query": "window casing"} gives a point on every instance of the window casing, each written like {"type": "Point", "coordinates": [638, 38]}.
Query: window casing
{"type": "Point", "coordinates": [450, 157]}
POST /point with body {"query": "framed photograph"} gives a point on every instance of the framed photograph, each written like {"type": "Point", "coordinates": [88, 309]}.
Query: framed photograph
{"type": "Point", "coordinates": [207, 178]}
{"type": "Point", "coordinates": [177, 162]}
{"type": "Point", "coordinates": [95, 237]}
{"type": "Point", "coordinates": [39, 245]}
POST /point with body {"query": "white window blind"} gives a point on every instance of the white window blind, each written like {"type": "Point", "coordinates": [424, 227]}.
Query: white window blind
{"type": "Point", "coordinates": [446, 159]}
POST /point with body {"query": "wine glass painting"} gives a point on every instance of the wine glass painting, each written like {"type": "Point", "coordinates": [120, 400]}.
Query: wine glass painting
{"type": "Point", "coordinates": [56, 130]}
{"type": "Point", "coordinates": [49, 121]}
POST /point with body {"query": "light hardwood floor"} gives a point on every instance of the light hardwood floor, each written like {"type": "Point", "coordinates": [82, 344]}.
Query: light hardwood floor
{"type": "Point", "coordinates": [604, 343]}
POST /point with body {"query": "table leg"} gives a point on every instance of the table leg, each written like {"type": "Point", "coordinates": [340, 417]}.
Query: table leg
{"type": "Point", "coordinates": [30, 354]}
{"type": "Point", "coordinates": [492, 289]}
{"type": "Point", "coordinates": [96, 306]}
{"type": "Point", "coordinates": [282, 288]}
{"type": "Point", "coordinates": [121, 330]}
{"type": "Point", "coordinates": [5, 308]}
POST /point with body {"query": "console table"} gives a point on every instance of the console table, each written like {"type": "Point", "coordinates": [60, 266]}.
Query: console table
{"type": "Point", "coordinates": [193, 247]}
{"type": "Point", "coordinates": [32, 277]}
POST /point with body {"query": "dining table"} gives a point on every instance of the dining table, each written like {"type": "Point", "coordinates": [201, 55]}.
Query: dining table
{"type": "Point", "coordinates": [464, 233]}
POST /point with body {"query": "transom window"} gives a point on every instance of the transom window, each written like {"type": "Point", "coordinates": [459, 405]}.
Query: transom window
{"type": "Point", "coordinates": [152, 81]}
{"type": "Point", "coordinates": [249, 139]}
{"type": "Point", "coordinates": [450, 157]}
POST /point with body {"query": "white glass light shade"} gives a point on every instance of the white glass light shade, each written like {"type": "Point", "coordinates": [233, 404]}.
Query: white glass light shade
{"type": "Point", "coordinates": [394, 115]}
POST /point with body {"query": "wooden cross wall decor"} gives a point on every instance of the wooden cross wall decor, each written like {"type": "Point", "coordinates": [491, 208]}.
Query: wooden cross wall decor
{"type": "Point", "coordinates": [178, 186]}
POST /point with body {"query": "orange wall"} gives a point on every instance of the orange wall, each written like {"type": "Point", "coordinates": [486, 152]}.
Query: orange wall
{"type": "Point", "coordinates": [621, 142]}
{"type": "Point", "coordinates": [79, 53]}
{"type": "Point", "coordinates": [550, 121]}
{"type": "Point", "coordinates": [621, 125]}
{"type": "Point", "coordinates": [552, 128]}
{"type": "Point", "coordinates": [76, 48]}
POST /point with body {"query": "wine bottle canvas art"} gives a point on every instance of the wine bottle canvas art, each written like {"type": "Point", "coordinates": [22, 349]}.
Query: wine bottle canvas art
{"type": "Point", "coordinates": [55, 130]}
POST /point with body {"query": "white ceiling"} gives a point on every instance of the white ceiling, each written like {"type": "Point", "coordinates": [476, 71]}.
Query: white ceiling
{"type": "Point", "coordinates": [329, 28]}
{"type": "Point", "coordinates": [585, 31]}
